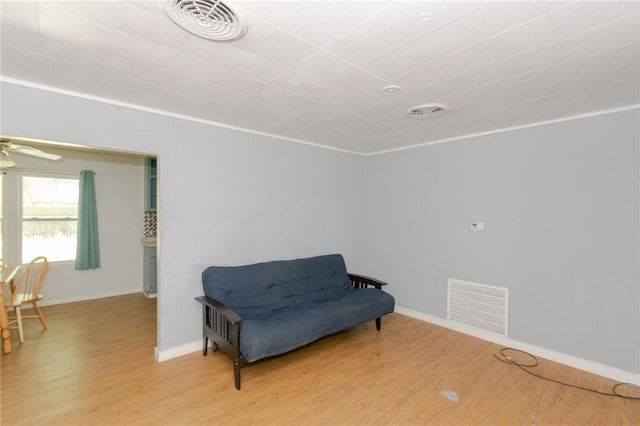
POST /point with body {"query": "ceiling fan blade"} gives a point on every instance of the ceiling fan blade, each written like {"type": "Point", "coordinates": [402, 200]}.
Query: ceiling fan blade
{"type": "Point", "coordinates": [32, 151]}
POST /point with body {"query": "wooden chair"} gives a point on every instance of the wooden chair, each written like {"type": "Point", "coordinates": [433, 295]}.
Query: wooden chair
{"type": "Point", "coordinates": [25, 290]}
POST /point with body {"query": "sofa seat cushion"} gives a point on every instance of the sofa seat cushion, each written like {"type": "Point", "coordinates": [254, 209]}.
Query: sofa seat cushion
{"type": "Point", "coordinates": [283, 330]}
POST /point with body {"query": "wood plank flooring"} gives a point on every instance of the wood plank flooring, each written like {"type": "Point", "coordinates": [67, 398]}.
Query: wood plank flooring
{"type": "Point", "coordinates": [95, 366]}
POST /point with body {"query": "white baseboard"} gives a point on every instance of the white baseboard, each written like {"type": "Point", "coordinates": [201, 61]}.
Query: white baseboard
{"type": "Point", "coordinates": [561, 358]}
{"type": "Point", "coordinates": [48, 302]}
{"type": "Point", "coordinates": [177, 351]}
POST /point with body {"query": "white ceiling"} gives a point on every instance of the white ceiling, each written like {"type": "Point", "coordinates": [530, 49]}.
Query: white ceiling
{"type": "Point", "coordinates": [314, 70]}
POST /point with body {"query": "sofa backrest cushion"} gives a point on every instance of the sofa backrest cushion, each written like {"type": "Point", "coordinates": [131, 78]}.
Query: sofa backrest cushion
{"type": "Point", "coordinates": [260, 288]}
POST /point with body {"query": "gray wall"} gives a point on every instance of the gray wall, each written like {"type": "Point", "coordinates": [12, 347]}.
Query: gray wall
{"type": "Point", "coordinates": [559, 202]}
{"type": "Point", "coordinates": [225, 197]}
{"type": "Point", "coordinates": [560, 207]}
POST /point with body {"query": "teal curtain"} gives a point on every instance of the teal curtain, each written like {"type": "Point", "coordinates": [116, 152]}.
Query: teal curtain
{"type": "Point", "coordinates": [88, 251]}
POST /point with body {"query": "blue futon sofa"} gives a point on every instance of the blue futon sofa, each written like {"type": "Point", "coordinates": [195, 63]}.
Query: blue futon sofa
{"type": "Point", "coordinates": [255, 311]}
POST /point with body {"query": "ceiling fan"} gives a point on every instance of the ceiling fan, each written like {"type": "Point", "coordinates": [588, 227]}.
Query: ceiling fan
{"type": "Point", "coordinates": [7, 146]}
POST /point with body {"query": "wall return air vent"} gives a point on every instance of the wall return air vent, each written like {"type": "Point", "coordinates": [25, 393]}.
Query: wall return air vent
{"type": "Point", "coordinates": [209, 19]}
{"type": "Point", "coordinates": [479, 306]}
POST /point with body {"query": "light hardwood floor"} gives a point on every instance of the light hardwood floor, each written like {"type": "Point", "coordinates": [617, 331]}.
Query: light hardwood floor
{"type": "Point", "coordinates": [95, 366]}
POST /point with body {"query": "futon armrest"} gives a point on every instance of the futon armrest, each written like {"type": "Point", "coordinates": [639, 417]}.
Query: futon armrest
{"type": "Point", "coordinates": [231, 315]}
{"type": "Point", "coordinates": [362, 281]}
{"type": "Point", "coordinates": [221, 326]}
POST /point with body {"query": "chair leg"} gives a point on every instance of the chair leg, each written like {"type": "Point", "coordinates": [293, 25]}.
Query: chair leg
{"type": "Point", "coordinates": [40, 315]}
{"type": "Point", "coordinates": [19, 321]}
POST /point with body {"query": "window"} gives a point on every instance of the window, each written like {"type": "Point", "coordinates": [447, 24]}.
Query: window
{"type": "Point", "coordinates": [49, 218]}
{"type": "Point", "coordinates": [40, 216]}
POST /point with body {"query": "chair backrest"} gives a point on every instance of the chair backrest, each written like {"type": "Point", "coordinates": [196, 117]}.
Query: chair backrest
{"type": "Point", "coordinates": [30, 277]}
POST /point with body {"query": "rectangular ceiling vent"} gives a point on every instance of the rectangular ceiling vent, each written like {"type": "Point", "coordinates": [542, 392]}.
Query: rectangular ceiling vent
{"type": "Point", "coordinates": [477, 305]}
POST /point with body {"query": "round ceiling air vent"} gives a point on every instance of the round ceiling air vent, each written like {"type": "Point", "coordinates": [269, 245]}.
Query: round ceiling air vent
{"type": "Point", "coordinates": [210, 19]}
{"type": "Point", "coordinates": [427, 111]}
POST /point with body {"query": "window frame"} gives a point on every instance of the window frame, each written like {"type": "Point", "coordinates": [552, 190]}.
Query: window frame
{"type": "Point", "coordinates": [12, 219]}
